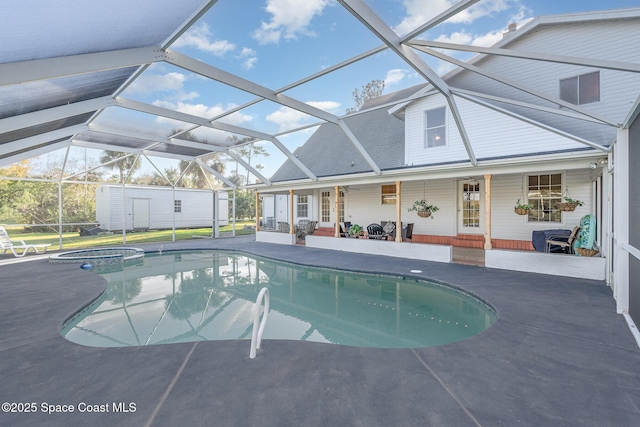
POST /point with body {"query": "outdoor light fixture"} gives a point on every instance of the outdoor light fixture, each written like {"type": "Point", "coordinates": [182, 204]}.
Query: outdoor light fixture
{"type": "Point", "coordinates": [593, 165]}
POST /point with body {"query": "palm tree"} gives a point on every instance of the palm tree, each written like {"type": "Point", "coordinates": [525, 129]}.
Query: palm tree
{"type": "Point", "coordinates": [197, 176]}
{"type": "Point", "coordinates": [123, 166]}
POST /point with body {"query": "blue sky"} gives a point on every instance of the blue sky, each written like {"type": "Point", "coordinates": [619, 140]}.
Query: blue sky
{"type": "Point", "coordinates": [282, 41]}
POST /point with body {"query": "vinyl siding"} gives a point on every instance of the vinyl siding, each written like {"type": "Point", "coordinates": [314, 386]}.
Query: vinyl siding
{"type": "Point", "coordinates": [492, 134]}
{"type": "Point", "coordinates": [364, 206]}
{"type": "Point", "coordinates": [506, 189]}
{"type": "Point", "coordinates": [608, 40]}
{"type": "Point", "coordinates": [197, 207]}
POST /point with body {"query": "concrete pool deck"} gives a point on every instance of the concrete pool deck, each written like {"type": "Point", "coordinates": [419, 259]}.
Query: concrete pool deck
{"type": "Point", "coordinates": [558, 355]}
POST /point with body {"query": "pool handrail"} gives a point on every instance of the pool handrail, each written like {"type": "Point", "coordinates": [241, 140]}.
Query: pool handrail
{"type": "Point", "coordinates": [256, 336]}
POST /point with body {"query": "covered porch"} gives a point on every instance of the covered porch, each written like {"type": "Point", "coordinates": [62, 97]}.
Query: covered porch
{"type": "Point", "coordinates": [476, 214]}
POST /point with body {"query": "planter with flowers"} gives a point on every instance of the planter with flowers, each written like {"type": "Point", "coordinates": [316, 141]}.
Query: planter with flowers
{"type": "Point", "coordinates": [522, 208]}
{"type": "Point", "coordinates": [423, 208]}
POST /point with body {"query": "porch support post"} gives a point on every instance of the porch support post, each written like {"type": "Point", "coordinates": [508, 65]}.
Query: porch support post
{"type": "Point", "coordinates": [398, 212]}
{"type": "Point", "coordinates": [291, 224]}
{"type": "Point", "coordinates": [336, 231]}
{"type": "Point", "coordinates": [487, 212]}
{"type": "Point", "coordinates": [257, 209]}
{"type": "Point", "coordinates": [621, 221]}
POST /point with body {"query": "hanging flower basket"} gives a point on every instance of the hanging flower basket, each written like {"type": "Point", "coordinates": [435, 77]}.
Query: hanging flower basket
{"type": "Point", "coordinates": [569, 204]}
{"type": "Point", "coordinates": [567, 207]}
{"type": "Point", "coordinates": [423, 208]}
{"type": "Point", "coordinates": [522, 208]}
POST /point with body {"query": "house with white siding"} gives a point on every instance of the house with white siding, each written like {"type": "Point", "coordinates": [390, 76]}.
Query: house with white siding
{"type": "Point", "coordinates": [534, 118]}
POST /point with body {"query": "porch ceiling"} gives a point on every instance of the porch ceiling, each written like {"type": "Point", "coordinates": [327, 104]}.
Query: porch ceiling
{"type": "Point", "coordinates": [63, 66]}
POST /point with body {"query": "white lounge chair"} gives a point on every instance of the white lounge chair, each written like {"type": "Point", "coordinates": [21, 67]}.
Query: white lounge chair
{"type": "Point", "coordinates": [6, 244]}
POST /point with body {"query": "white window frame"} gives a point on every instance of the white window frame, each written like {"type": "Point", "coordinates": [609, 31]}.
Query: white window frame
{"type": "Point", "coordinates": [530, 219]}
{"type": "Point", "coordinates": [177, 206]}
{"type": "Point", "coordinates": [427, 128]}
{"type": "Point", "coordinates": [388, 198]}
{"type": "Point", "coordinates": [577, 88]}
{"type": "Point", "coordinates": [325, 206]}
{"type": "Point", "coordinates": [302, 204]}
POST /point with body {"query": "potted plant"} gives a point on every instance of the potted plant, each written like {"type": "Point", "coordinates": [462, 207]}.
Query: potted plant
{"type": "Point", "coordinates": [355, 230]}
{"type": "Point", "coordinates": [569, 204]}
{"type": "Point", "coordinates": [423, 208]}
{"type": "Point", "coordinates": [522, 208]}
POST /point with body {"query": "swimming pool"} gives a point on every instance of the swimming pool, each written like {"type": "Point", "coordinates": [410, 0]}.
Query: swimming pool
{"type": "Point", "coordinates": [206, 295]}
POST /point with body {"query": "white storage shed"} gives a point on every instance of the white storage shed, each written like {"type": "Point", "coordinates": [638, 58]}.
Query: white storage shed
{"type": "Point", "coordinates": [146, 208]}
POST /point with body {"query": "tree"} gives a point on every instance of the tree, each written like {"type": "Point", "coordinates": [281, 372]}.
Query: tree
{"type": "Point", "coordinates": [197, 177]}
{"type": "Point", "coordinates": [123, 165]}
{"type": "Point", "coordinates": [251, 151]}
{"type": "Point", "coordinates": [245, 204]}
{"type": "Point", "coordinates": [373, 89]}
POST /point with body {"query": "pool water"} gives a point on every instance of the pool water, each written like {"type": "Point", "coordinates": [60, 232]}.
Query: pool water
{"type": "Point", "coordinates": [205, 295]}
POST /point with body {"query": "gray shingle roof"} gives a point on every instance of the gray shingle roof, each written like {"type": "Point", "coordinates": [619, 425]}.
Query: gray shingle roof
{"type": "Point", "coordinates": [329, 152]}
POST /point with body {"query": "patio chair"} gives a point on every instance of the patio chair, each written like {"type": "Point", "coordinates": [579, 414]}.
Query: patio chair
{"type": "Point", "coordinates": [409, 232]}
{"type": "Point", "coordinates": [344, 228]}
{"type": "Point", "coordinates": [283, 227]}
{"type": "Point", "coordinates": [375, 231]}
{"type": "Point", "coordinates": [562, 241]}
{"type": "Point", "coordinates": [301, 228]}
{"type": "Point", "coordinates": [6, 244]}
{"type": "Point", "coordinates": [311, 227]}
{"type": "Point", "coordinates": [388, 229]}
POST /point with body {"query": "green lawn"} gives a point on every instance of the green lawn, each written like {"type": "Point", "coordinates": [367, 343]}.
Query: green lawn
{"type": "Point", "coordinates": [73, 240]}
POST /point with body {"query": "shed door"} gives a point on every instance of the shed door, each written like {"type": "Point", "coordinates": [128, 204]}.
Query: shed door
{"type": "Point", "coordinates": [140, 213]}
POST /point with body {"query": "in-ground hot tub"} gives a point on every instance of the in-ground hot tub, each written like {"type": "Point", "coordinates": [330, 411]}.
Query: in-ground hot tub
{"type": "Point", "coordinates": [99, 257]}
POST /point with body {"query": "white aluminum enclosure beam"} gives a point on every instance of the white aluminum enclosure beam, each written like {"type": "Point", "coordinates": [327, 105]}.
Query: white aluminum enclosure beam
{"type": "Point", "coordinates": [68, 177]}
{"type": "Point", "coordinates": [153, 139]}
{"type": "Point", "coordinates": [55, 113]}
{"type": "Point", "coordinates": [50, 68]}
{"type": "Point", "coordinates": [215, 173]}
{"type": "Point", "coordinates": [79, 142]}
{"type": "Point", "coordinates": [109, 130]}
{"type": "Point", "coordinates": [298, 83]}
{"type": "Point", "coordinates": [359, 147]}
{"type": "Point", "coordinates": [33, 141]}
{"type": "Point", "coordinates": [545, 57]}
{"type": "Point", "coordinates": [534, 123]}
{"type": "Point", "coordinates": [251, 169]}
{"type": "Point", "coordinates": [376, 25]}
{"type": "Point", "coordinates": [452, 11]}
{"type": "Point", "coordinates": [221, 76]}
{"type": "Point", "coordinates": [517, 85]}
{"type": "Point", "coordinates": [6, 161]}
{"type": "Point", "coordinates": [294, 159]}
{"type": "Point", "coordinates": [554, 111]}
{"type": "Point", "coordinates": [189, 118]}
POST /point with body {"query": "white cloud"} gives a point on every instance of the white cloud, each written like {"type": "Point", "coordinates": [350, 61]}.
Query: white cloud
{"type": "Point", "coordinates": [328, 106]}
{"type": "Point", "coordinates": [201, 37]}
{"type": "Point", "coordinates": [249, 57]}
{"type": "Point", "coordinates": [394, 76]}
{"type": "Point", "coordinates": [289, 19]}
{"type": "Point", "coordinates": [287, 118]}
{"type": "Point", "coordinates": [421, 11]}
{"type": "Point", "coordinates": [203, 111]}
{"type": "Point", "coordinates": [148, 83]}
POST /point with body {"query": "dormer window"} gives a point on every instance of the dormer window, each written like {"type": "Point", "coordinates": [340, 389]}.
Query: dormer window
{"type": "Point", "coordinates": [582, 89]}
{"type": "Point", "coordinates": [435, 127]}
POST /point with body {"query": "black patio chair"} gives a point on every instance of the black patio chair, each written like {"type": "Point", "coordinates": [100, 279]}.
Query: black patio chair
{"type": "Point", "coordinates": [375, 231]}
{"type": "Point", "coordinates": [409, 232]}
